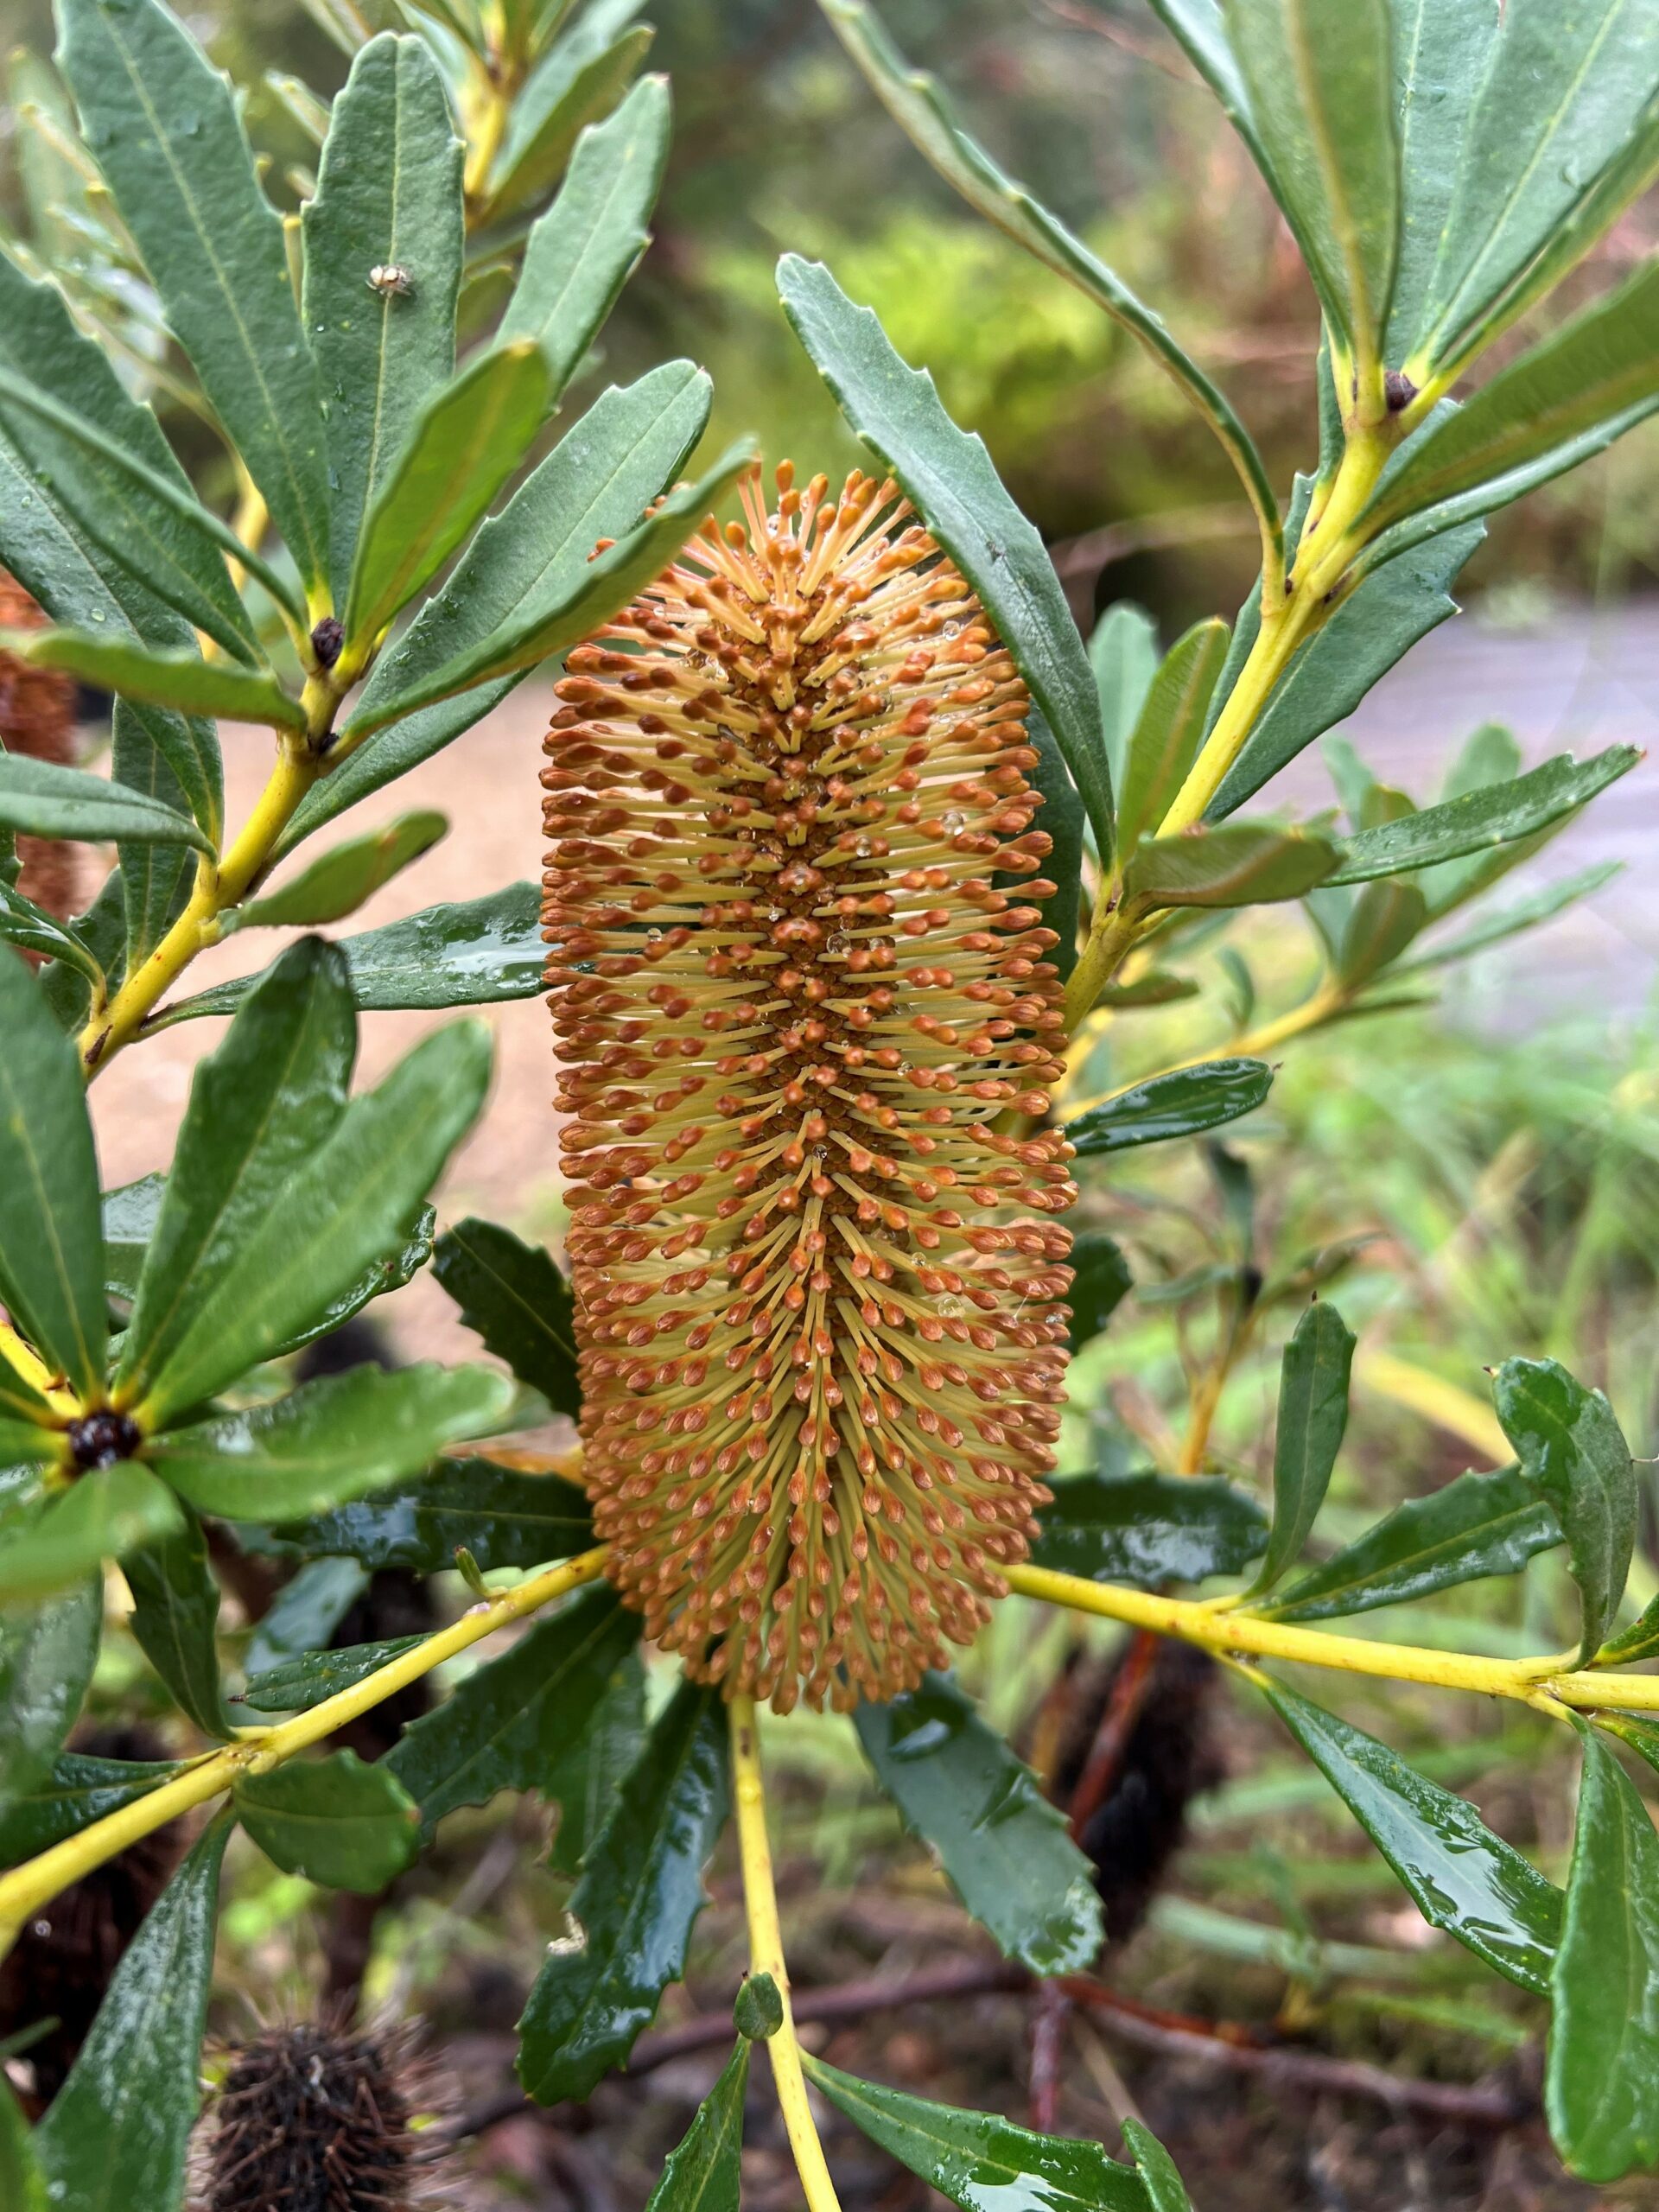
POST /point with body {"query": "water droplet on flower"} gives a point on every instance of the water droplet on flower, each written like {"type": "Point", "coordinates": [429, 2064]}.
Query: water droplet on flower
{"type": "Point", "coordinates": [955, 821]}
{"type": "Point", "coordinates": [836, 942]}
{"type": "Point", "coordinates": [864, 849]}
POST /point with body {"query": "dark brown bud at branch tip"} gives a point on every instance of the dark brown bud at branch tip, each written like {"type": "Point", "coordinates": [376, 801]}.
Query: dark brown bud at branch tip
{"type": "Point", "coordinates": [327, 639]}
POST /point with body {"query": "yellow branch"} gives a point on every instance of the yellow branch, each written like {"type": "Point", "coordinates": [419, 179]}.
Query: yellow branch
{"type": "Point", "coordinates": [766, 1956]}
{"type": "Point", "coordinates": [34, 1883]}
{"type": "Point", "coordinates": [33, 1370]}
{"type": "Point", "coordinates": [1239, 1635]}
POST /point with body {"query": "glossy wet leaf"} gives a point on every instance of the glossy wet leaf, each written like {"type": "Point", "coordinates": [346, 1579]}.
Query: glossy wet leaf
{"type": "Point", "coordinates": [504, 1518]}
{"type": "Point", "coordinates": [1168, 731]}
{"type": "Point", "coordinates": [45, 800]}
{"type": "Point", "coordinates": [339, 882]}
{"type": "Point", "coordinates": [977, 2160]}
{"type": "Point", "coordinates": [917, 103]}
{"type": "Point", "coordinates": [895, 410]}
{"type": "Point", "coordinates": [388, 196]}
{"type": "Point", "coordinates": [65, 413]}
{"type": "Point", "coordinates": [982, 1811]}
{"type": "Point", "coordinates": [1385, 919]}
{"type": "Point", "coordinates": [596, 483]}
{"type": "Point", "coordinates": [46, 1655]}
{"type": "Point", "coordinates": [1402, 602]}
{"type": "Point", "coordinates": [175, 1620]}
{"type": "Point", "coordinates": [631, 1911]}
{"type": "Point", "coordinates": [1312, 1415]}
{"type": "Point", "coordinates": [330, 1440]}
{"type": "Point", "coordinates": [305, 1612]}
{"type": "Point", "coordinates": [296, 1685]}
{"type": "Point", "coordinates": [1476, 1526]}
{"type": "Point", "coordinates": [163, 126]}
{"type": "Point", "coordinates": [104, 1513]}
{"type": "Point", "coordinates": [1567, 91]}
{"type": "Point", "coordinates": [466, 441]}
{"type": "Point", "coordinates": [1240, 864]}
{"type": "Point", "coordinates": [1491, 815]}
{"type": "Point", "coordinates": [1601, 2081]}
{"type": "Point", "coordinates": [117, 2134]}
{"type": "Point", "coordinates": [76, 1789]}
{"type": "Point", "coordinates": [335, 1819]}
{"type": "Point", "coordinates": [580, 254]}
{"type": "Point", "coordinates": [1100, 1277]}
{"type": "Point", "coordinates": [342, 1210]}
{"type": "Point", "coordinates": [1179, 1104]}
{"type": "Point", "coordinates": [577, 81]}
{"type": "Point", "coordinates": [1165, 2191]}
{"type": "Point", "coordinates": [1320, 85]}
{"type": "Point", "coordinates": [1123, 654]}
{"type": "Point", "coordinates": [1572, 1453]}
{"type": "Point", "coordinates": [1147, 1530]}
{"type": "Point", "coordinates": [513, 1296]}
{"type": "Point", "coordinates": [182, 680]}
{"type": "Point", "coordinates": [49, 1239]}
{"type": "Point", "coordinates": [702, 2173]}
{"type": "Point", "coordinates": [510, 1722]}
{"type": "Point", "coordinates": [1461, 1877]}
{"type": "Point", "coordinates": [584, 1782]}
{"type": "Point", "coordinates": [477, 953]}
{"type": "Point", "coordinates": [260, 1104]}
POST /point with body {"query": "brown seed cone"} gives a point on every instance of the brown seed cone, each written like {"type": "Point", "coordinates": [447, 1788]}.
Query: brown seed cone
{"type": "Point", "coordinates": [815, 1286]}
{"type": "Point", "coordinates": [37, 718]}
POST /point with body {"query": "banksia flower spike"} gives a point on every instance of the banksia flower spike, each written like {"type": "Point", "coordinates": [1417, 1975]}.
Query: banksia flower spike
{"type": "Point", "coordinates": [37, 718]}
{"type": "Point", "coordinates": [816, 1281]}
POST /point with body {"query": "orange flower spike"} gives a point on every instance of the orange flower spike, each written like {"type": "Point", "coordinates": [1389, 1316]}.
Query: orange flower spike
{"type": "Point", "coordinates": [818, 1292]}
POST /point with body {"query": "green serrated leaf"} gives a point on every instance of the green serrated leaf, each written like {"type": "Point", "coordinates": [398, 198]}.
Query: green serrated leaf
{"type": "Point", "coordinates": [466, 441]}
{"type": "Point", "coordinates": [584, 1782]}
{"type": "Point", "coordinates": [103, 1516]}
{"type": "Point", "coordinates": [1003, 1845]}
{"type": "Point", "coordinates": [580, 255]}
{"type": "Point", "coordinates": [503, 1517]}
{"type": "Point", "coordinates": [1312, 1415]}
{"type": "Point", "coordinates": [1100, 1278]}
{"type": "Point", "coordinates": [339, 882]}
{"type": "Point", "coordinates": [1601, 2081]}
{"type": "Point", "coordinates": [1573, 1454]}
{"type": "Point", "coordinates": [163, 125]}
{"type": "Point", "coordinates": [1146, 1530]}
{"type": "Point", "coordinates": [341, 1210]}
{"type": "Point", "coordinates": [513, 1296]}
{"type": "Point", "coordinates": [330, 1440]}
{"type": "Point", "coordinates": [1179, 1104]}
{"type": "Point", "coordinates": [917, 104]}
{"type": "Point", "coordinates": [510, 1723]}
{"type": "Point", "coordinates": [296, 1685]}
{"type": "Point", "coordinates": [1165, 2190]}
{"type": "Point", "coordinates": [118, 2132]}
{"type": "Point", "coordinates": [1492, 814]}
{"type": "Point", "coordinates": [1320, 85]}
{"type": "Point", "coordinates": [1476, 1526]}
{"type": "Point", "coordinates": [702, 2171]}
{"type": "Point", "coordinates": [977, 2160]}
{"type": "Point", "coordinates": [596, 483]}
{"type": "Point", "coordinates": [387, 197]}
{"type": "Point", "coordinates": [71, 1792]}
{"type": "Point", "coordinates": [951, 478]}
{"type": "Point", "coordinates": [1461, 1877]}
{"type": "Point", "coordinates": [634, 1907]}
{"type": "Point", "coordinates": [51, 1236]}
{"type": "Point", "coordinates": [335, 1820]}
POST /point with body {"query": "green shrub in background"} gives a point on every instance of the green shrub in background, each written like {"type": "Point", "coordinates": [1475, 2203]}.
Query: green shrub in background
{"type": "Point", "coordinates": [1442, 176]}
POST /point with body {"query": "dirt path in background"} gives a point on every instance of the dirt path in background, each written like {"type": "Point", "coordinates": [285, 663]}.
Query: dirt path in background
{"type": "Point", "coordinates": [1578, 683]}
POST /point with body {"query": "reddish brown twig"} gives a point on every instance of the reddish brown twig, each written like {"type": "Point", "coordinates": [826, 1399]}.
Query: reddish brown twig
{"type": "Point", "coordinates": [1123, 1707]}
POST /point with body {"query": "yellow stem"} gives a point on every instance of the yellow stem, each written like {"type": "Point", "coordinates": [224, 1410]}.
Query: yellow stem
{"type": "Point", "coordinates": [218, 886]}
{"type": "Point", "coordinates": [1111, 941]}
{"type": "Point", "coordinates": [1233, 1635]}
{"type": "Point", "coordinates": [34, 1883]}
{"type": "Point", "coordinates": [34, 1371]}
{"type": "Point", "coordinates": [766, 1956]}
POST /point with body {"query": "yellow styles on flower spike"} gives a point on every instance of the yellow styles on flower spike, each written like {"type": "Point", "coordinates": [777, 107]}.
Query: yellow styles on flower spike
{"type": "Point", "coordinates": [816, 1289]}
